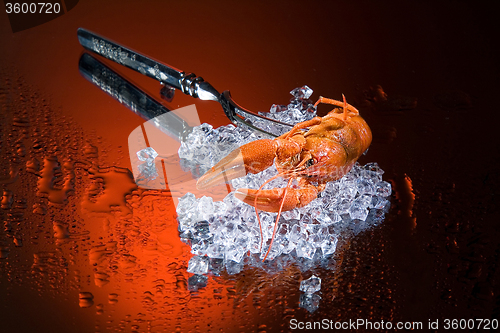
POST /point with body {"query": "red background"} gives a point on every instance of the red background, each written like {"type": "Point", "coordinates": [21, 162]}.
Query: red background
{"type": "Point", "coordinates": [435, 256]}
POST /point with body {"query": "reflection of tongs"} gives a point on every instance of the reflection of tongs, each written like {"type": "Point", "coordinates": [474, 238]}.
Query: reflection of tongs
{"type": "Point", "coordinates": [171, 79]}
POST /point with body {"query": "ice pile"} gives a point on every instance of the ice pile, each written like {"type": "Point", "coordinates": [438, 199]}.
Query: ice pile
{"type": "Point", "coordinates": [225, 234]}
{"type": "Point", "coordinates": [229, 229]}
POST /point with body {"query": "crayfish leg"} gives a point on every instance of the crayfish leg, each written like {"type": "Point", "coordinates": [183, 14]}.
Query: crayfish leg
{"type": "Point", "coordinates": [324, 100]}
{"type": "Point", "coordinates": [301, 125]}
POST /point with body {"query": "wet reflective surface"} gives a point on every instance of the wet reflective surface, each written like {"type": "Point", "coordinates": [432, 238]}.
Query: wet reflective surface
{"type": "Point", "coordinates": [83, 249]}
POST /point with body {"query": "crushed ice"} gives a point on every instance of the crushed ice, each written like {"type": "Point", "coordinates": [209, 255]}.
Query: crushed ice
{"type": "Point", "coordinates": [225, 234]}
{"type": "Point", "coordinates": [229, 229]}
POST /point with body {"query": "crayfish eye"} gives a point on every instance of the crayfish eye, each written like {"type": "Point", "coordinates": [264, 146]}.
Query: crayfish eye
{"type": "Point", "coordinates": [309, 163]}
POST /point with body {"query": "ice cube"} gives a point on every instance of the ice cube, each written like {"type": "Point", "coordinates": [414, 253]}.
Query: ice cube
{"type": "Point", "coordinates": [357, 211]}
{"type": "Point", "coordinates": [302, 93]}
{"type": "Point", "coordinates": [277, 108]}
{"type": "Point", "coordinates": [147, 154]}
{"type": "Point", "coordinates": [306, 219]}
{"type": "Point", "coordinates": [201, 230]}
{"type": "Point", "coordinates": [335, 217]}
{"type": "Point", "coordinates": [323, 232]}
{"type": "Point", "coordinates": [312, 226]}
{"type": "Point", "coordinates": [296, 234]}
{"type": "Point", "coordinates": [311, 285]}
{"type": "Point", "coordinates": [228, 136]}
{"type": "Point", "coordinates": [364, 200]}
{"type": "Point", "coordinates": [206, 207]}
{"type": "Point", "coordinates": [297, 116]}
{"type": "Point", "coordinates": [329, 245]}
{"type": "Point", "coordinates": [198, 265]}
{"type": "Point", "coordinates": [373, 167]}
{"type": "Point", "coordinates": [220, 208]}
{"type": "Point", "coordinates": [231, 201]}
{"type": "Point", "coordinates": [365, 186]}
{"type": "Point", "coordinates": [324, 218]}
{"type": "Point", "coordinates": [383, 189]}
{"type": "Point", "coordinates": [241, 240]}
{"type": "Point", "coordinates": [185, 151]}
{"type": "Point", "coordinates": [187, 234]}
{"type": "Point", "coordinates": [343, 206]}
{"type": "Point", "coordinates": [200, 246]}
{"type": "Point", "coordinates": [204, 155]}
{"type": "Point", "coordinates": [381, 204]}
{"type": "Point", "coordinates": [288, 246]}
{"type": "Point", "coordinates": [315, 240]}
{"type": "Point", "coordinates": [254, 245]}
{"type": "Point", "coordinates": [216, 266]}
{"type": "Point", "coordinates": [240, 183]}
{"type": "Point", "coordinates": [204, 129]}
{"type": "Point", "coordinates": [233, 267]}
{"type": "Point", "coordinates": [196, 282]}
{"type": "Point", "coordinates": [377, 202]}
{"type": "Point", "coordinates": [147, 171]}
{"type": "Point", "coordinates": [305, 249]}
{"type": "Point", "coordinates": [228, 231]}
{"type": "Point", "coordinates": [216, 250]}
{"type": "Point", "coordinates": [293, 214]}
{"type": "Point", "coordinates": [347, 189]}
{"type": "Point", "coordinates": [247, 213]}
{"type": "Point", "coordinates": [186, 202]}
{"type": "Point", "coordinates": [234, 253]}
{"type": "Point", "coordinates": [310, 302]}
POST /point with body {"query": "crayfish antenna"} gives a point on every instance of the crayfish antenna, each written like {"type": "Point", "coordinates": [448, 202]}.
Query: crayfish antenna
{"type": "Point", "coordinates": [255, 206]}
{"type": "Point", "coordinates": [277, 219]}
{"type": "Point", "coordinates": [345, 107]}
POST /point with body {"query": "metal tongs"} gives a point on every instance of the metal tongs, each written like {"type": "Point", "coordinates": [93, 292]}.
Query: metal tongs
{"type": "Point", "coordinates": [170, 78]}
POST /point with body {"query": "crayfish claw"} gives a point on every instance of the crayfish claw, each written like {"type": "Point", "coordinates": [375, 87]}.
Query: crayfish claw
{"type": "Point", "coordinates": [271, 200]}
{"type": "Point", "coordinates": [230, 167]}
{"type": "Point", "coordinates": [252, 157]}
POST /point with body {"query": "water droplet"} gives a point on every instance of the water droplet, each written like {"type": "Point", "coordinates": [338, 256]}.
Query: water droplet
{"type": "Point", "coordinates": [86, 299]}
{"type": "Point", "coordinates": [112, 298]}
{"type": "Point", "coordinates": [60, 230]}
{"type": "Point", "coordinates": [101, 279]}
{"type": "Point", "coordinates": [7, 199]}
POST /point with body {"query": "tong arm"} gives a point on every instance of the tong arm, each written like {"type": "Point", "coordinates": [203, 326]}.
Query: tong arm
{"type": "Point", "coordinates": [188, 83]}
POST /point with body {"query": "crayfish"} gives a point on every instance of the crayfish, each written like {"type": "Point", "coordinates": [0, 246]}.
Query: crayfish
{"type": "Point", "coordinates": [314, 152]}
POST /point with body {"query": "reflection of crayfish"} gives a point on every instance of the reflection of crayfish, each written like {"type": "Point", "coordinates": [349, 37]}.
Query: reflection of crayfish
{"type": "Point", "coordinates": [323, 153]}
